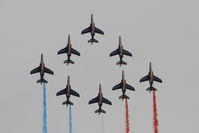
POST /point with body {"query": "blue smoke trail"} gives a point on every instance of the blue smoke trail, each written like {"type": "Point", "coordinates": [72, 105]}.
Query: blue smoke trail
{"type": "Point", "coordinates": [70, 119]}
{"type": "Point", "coordinates": [44, 110]}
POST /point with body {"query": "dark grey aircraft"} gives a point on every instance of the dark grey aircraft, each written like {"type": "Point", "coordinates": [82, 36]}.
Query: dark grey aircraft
{"type": "Point", "coordinates": [100, 100]}
{"type": "Point", "coordinates": [151, 77]}
{"type": "Point", "coordinates": [42, 69]}
{"type": "Point", "coordinates": [123, 85]}
{"type": "Point", "coordinates": [68, 50]}
{"type": "Point", "coordinates": [68, 91]}
{"type": "Point", "coordinates": [92, 29]}
{"type": "Point", "coordinates": [120, 51]}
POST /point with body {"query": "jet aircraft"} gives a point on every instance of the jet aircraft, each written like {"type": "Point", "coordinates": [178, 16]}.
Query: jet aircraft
{"type": "Point", "coordinates": [68, 91]}
{"type": "Point", "coordinates": [68, 50]}
{"type": "Point", "coordinates": [42, 69]}
{"type": "Point", "coordinates": [92, 29]}
{"type": "Point", "coordinates": [123, 85]}
{"type": "Point", "coordinates": [100, 100]}
{"type": "Point", "coordinates": [120, 51]}
{"type": "Point", "coordinates": [151, 78]}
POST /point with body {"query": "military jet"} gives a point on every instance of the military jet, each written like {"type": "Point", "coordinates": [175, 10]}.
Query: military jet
{"type": "Point", "coordinates": [68, 91]}
{"type": "Point", "coordinates": [100, 100]}
{"type": "Point", "coordinates": [42, 69]}
{"type": "Point", "coordinates": [68, 50]}
{"type": "Point", "coordinates": [123, 85]}
{"type": "Point", "coordinates": [92, 29]}
{"type": "Point", "coordinates": [120, 51]}
{"type": "Point", "coordinates": [151, 77]}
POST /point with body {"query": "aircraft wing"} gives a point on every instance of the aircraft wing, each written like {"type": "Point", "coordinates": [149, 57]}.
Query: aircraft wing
{"type": "Point", "coordinates": [94, 100]}
{"type": "Point", "coordinates": [87, 30]}
{"type": "Point", "coordinates": [106, 101]}
{"type": "Point", "coordinates": [130, 87]}
{"type": "Point", "coordinates": [75, 52]}
{"type": "Point", "coordinates": [36, 70]}
{"type": "Point", "coordinates": [157, 79]}
{"type": "Point", "coordinates": [116, 87]}
{"type": "Point", "coordinates": [144, 78]}
{"type": "Point", "coordinates": [62, 92]}
{"type": "Point", "coordinates": [127, 53]}
{"type": "Point", "coordinates": [62, 51]}
{"type": "Point", "coordinates": [114, 52]}
{"type": "Point", "coordinates": [74, 93]}
{"type": "Point", "coordinates": [47, 70]}
{"type": "Point", "coordinates": [99, 31]}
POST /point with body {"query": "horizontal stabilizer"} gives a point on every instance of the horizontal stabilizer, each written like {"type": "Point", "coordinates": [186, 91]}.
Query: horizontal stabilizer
{"type": "Point", "coordinates": [123, 97]}
{"type": "Point", "coordinates": [67, 102]}
{"type": "Point", "coordinates": [92, 41]}
{"type": "Point", "coordinates": [121, 62]}
{"type": "Point", "coordinates": [100, 111]}
{"type": "Point", "coordinates": [69, 61]}
{"type": "Point", "coordinates": [42, 81]}
{"type": "Point", "coordinates": [151, 89]}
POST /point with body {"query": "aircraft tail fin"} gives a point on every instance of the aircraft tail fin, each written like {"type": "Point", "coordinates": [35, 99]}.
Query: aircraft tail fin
{"type": "Point", "coordinates": [100, 111]}
{"type": "Point", "coordinates": [121, 62]}
{"type": "Point", "coordinates": [69, 61]}
{"type": "Point", "coordinates": [92, 41]}
{"type": "Point", "coordinates": [67, 102]}
{"type": "Point", "coordinates": [151, 89]}
{"type": "Point", "coordinates": [42, 81]}
{"type": "Point", "coordinates": [123, 97]}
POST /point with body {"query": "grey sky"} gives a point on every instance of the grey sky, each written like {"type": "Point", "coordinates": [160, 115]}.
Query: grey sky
{"type": "Point", "coordinates": [163, 32]}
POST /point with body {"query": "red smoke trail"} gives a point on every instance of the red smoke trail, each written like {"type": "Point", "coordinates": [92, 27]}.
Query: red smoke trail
{"type": "Point", "coordinates": [155, 119]}
{"type": "Point", "coordinates": [127, 116]}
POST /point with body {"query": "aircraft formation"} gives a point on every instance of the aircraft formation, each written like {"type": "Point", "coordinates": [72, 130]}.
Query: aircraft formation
{"type": "Point", "coordinates": [100, 99]}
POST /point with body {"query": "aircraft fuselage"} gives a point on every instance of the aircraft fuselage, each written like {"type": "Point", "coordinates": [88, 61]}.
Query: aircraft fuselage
{"type": "Point", "coordinates": [150, 75]}
{"type": "Point", "coordinates": [68, 88]}
{"type": "Point", "coordinates": [42, 66]}
{"type": "Point", "coordinates": [100, 98]}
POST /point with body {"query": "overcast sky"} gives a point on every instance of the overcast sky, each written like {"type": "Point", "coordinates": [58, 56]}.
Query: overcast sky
{"type": "Point", "coordinates": [163, 32]}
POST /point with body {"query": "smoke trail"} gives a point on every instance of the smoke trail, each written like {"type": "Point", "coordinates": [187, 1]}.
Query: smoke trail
{"type": "Point", "coordinates": [70, 119]}
{"type": "Point", "coordinates": [155, 119]}
{"type": "Point", "coordinates": [44, 110]}
{"type": "Point", "coordinates": [127, 116]}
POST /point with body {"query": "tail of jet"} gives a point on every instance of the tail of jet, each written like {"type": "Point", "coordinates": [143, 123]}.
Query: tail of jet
{"type": "Point", "coordinates": [42, 81]}
{"type": "Point", "coordinates": [92, 41]}
{"type": "Point", "coordinates": [123, 97]}
{"type": "Point", "coordinates": [67, 102]}
{"type": "Point", "coordinates": [69, 61]}
{"type": "Point", "coordinates": [121, 62]}
{"type": "Point", "coordinates": [151, 89]}
{"type": "Point", "coordinates": [100, 111]}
